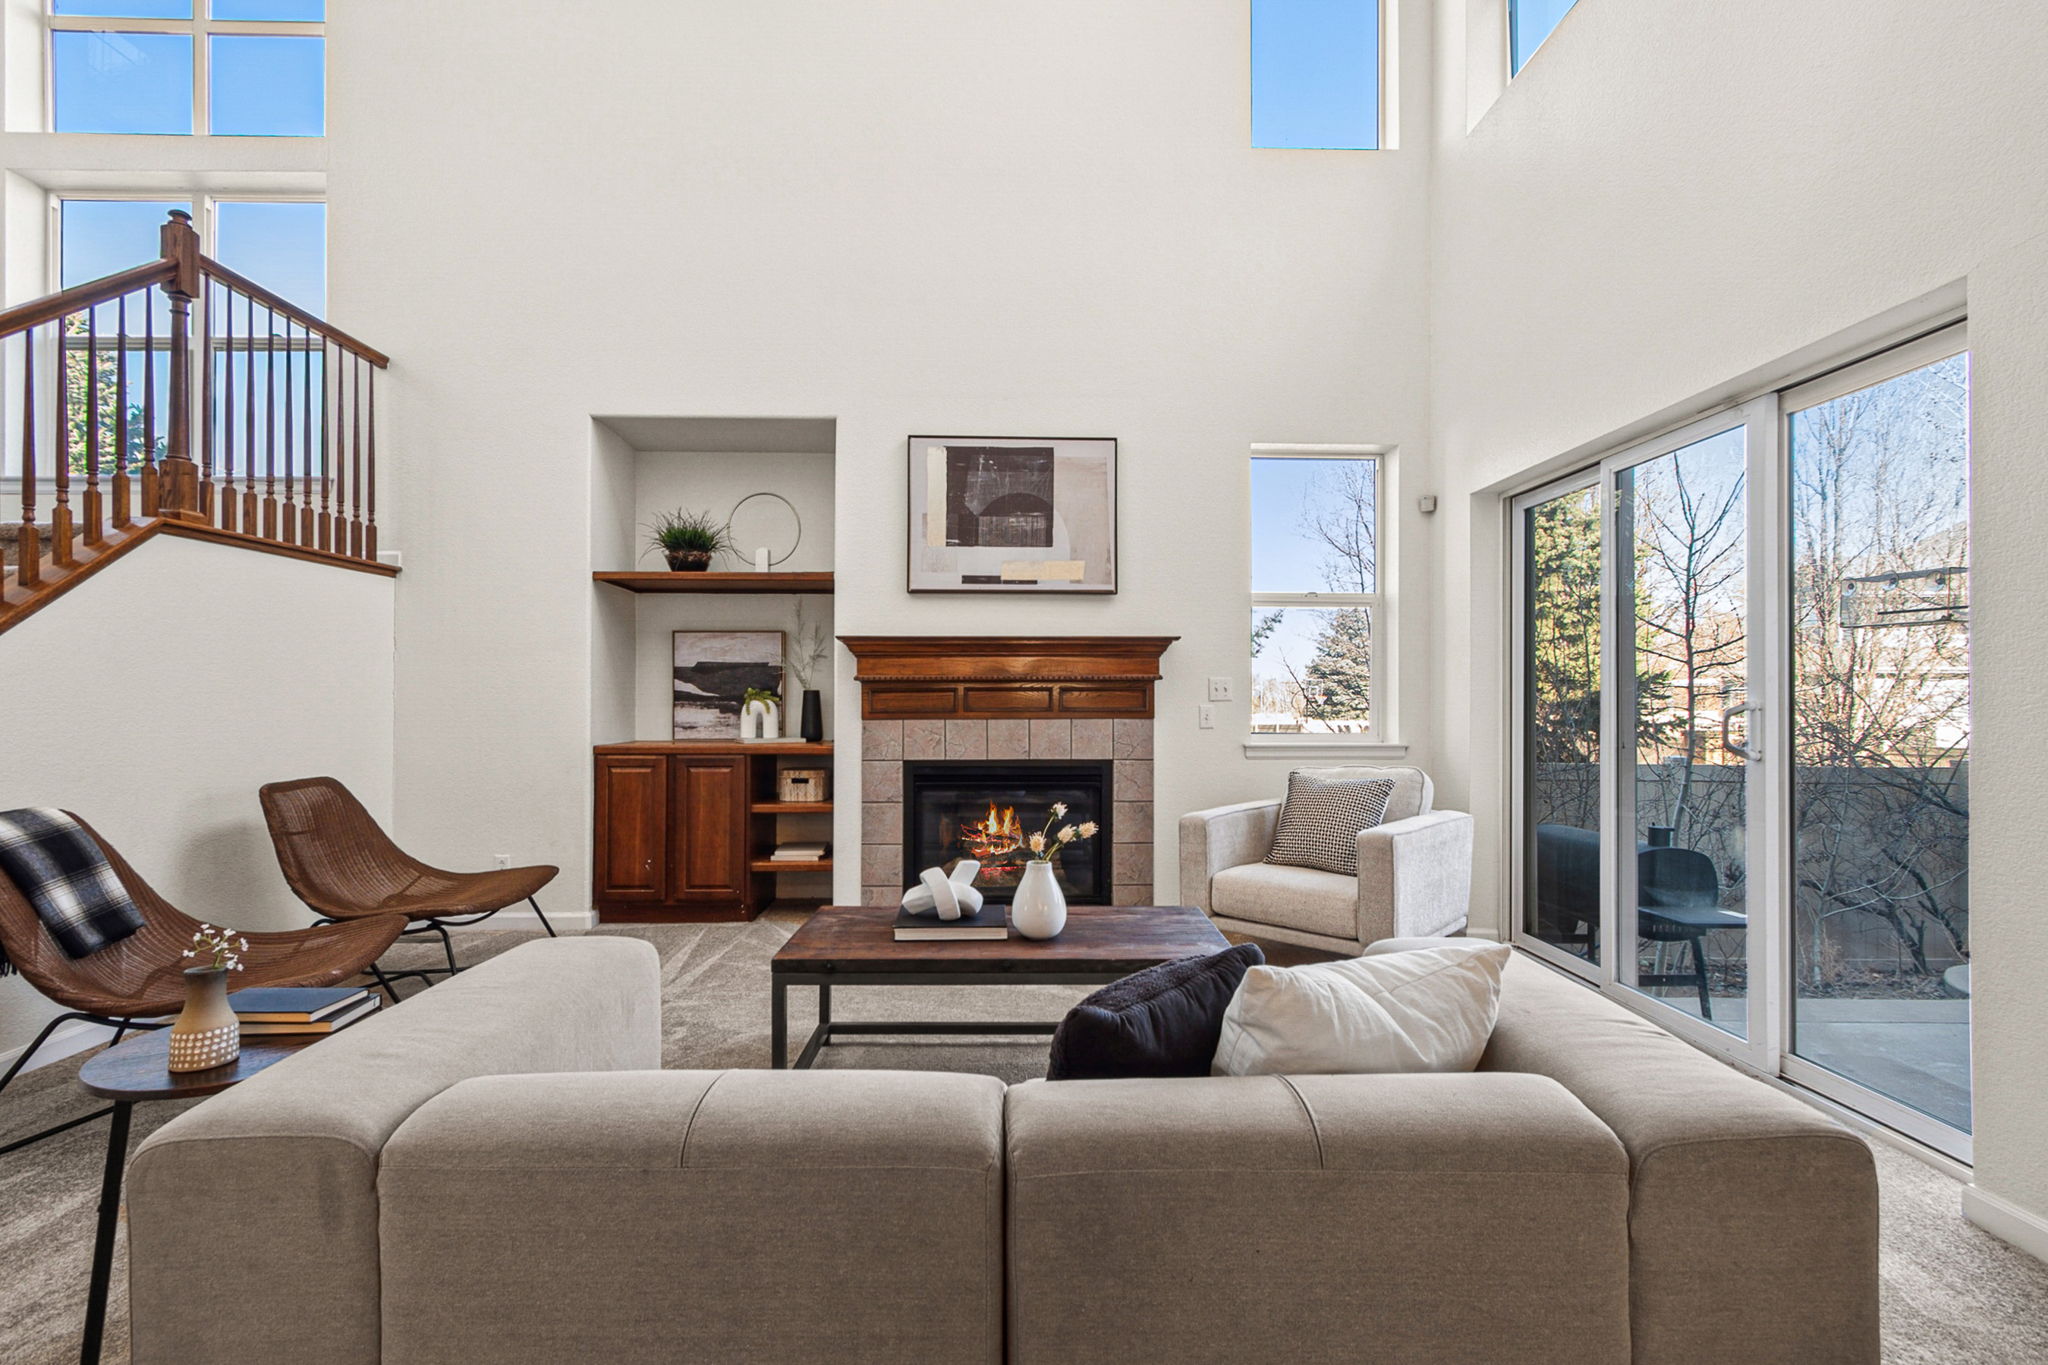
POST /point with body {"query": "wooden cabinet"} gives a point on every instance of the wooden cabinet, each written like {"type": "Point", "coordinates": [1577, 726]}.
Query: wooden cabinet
{"type": "Point", "coordinates": [707, 829]}
{"type": "Point", "coordinates": [632, 828]}
{"type": "Point", "coordinates": [684, 830]}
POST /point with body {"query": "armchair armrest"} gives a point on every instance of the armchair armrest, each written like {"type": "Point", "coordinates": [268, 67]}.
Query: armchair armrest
{"type": "Point", "coordinates": [1414, 876]}
{"type": "Point", "coordinates": [1219, 838]}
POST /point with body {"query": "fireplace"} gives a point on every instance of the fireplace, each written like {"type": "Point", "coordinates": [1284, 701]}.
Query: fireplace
{"type": "Point", "coordinates": [954, 809]}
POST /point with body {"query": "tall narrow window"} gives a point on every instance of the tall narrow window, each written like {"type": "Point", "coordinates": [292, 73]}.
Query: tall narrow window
{"type": "Point", "coordinates": [1316, 74]}
{"type": "Point", "coordinates": [1315, 592]}
{"type": "Point", "coordinates": [1529, 23]}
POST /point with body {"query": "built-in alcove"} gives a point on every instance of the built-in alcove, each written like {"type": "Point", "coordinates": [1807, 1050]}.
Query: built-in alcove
{"type": "Point", "coordinates": [642, 466]}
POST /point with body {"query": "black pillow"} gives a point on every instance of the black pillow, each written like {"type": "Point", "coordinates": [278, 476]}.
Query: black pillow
{"type": "Point", "coordinates": [1163, 1021]}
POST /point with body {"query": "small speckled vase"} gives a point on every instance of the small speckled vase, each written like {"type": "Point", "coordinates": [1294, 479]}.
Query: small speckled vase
{"type": "Point", "coordinates": [206, 1034]}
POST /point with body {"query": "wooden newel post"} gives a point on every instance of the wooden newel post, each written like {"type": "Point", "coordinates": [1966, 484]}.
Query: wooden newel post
{"type": "Point", "coordinates": [178, 493]}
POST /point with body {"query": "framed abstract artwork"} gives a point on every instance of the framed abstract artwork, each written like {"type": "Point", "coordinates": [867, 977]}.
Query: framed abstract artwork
{"type": "Point", "coordinates": [1012, 514]}
{"type": "Point", "coordinates": [713, 671]}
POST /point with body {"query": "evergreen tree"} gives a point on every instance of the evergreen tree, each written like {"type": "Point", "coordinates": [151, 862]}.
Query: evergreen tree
{"type": "Point", "coordinates": [1337, 681]}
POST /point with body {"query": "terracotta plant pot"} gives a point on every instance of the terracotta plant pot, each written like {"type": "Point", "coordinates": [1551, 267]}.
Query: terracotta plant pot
{"type": "Point", "coordinates": [688, 561]}
{"type": "Point", "coordinates": [206, 1034]}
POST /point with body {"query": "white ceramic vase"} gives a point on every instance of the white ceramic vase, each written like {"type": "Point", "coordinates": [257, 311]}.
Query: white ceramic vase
{"type": "Point", "coordinates": [1039, 909]}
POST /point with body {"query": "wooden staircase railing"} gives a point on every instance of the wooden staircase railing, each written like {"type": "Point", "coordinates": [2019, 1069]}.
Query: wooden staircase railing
{"type": "Point", "coordinates": [257, 425]}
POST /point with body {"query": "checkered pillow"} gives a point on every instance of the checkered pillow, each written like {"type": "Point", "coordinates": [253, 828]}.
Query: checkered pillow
{"type": "Point", "coordinates": [62, 872]}
{"type": "Point", "coordinates": [1320, 821]}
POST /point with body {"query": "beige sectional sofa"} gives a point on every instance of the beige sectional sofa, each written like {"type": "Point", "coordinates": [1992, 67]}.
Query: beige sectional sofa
{"type": "Point", "coordinates": [497, 1171]}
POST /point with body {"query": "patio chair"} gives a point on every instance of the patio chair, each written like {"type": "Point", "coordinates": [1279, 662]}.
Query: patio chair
{"type": "Point", "coordinates": [1678, 897]}
{"type": "Point", "coordinates": [342, 864]}
{"type": "Point", "coordinates": [135, 982]}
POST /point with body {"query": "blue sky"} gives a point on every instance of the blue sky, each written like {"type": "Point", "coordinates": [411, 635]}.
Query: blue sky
{"type": "Point", "coordinates": [1316, 74]}
{"type": "Point", "coordinates": [1532, 21]}
{"type": "Point", "coordinates": [261, 86]}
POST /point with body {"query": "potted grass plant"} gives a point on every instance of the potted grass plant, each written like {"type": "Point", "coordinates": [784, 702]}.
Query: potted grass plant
{"type": "Point", "coordinates": [689, 539]}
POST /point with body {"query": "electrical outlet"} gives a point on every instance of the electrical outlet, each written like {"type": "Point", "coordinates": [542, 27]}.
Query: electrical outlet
{"type": "Point", "coordinates": [1205, 716]}
{"type": "Point", "coordinates": [1222, 689]}
{"type": "Point", "coordinates": [501, 860]}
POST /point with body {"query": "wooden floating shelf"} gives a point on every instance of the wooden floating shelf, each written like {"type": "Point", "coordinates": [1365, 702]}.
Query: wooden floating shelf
{"type": "Point", "coordinates": [792, 807]}
{"type": "Point", "coordinates": [771, 865]}
{"type": "Point", "coordinates": [718, 747]}
{"type": "Point", "coordinates": [635, 581]}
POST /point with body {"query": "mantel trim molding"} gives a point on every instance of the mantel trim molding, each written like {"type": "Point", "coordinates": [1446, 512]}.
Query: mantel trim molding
{"type": "Point", "coordinates": [1006, 677]}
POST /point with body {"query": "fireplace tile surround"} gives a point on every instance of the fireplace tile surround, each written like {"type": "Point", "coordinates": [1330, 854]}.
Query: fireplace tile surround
{"type": "Point", "coordinates": [978, 679]}
{"type": "Point", "coordinates": [884, 750]}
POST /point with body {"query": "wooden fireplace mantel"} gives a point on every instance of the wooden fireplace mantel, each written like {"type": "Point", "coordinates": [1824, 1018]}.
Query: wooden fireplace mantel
{"type": "Point", "coordinates": [1006, 677]}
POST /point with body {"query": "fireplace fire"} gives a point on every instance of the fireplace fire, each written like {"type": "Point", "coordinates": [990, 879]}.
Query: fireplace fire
{"type": "Point", "coordinates": [988, 812]}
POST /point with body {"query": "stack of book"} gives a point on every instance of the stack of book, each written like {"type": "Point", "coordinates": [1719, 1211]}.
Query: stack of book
{"type": "Point", "coordinates": [799, 853]}
{"type": "Point", "coordinates": [300, 1009]}
{"type": "Point", "coordinates": [991, 921]}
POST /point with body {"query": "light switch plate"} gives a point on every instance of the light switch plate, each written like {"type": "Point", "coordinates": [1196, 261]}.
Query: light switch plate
{"type": "Point", "coordinates": [1205, 716]}
{"type": "Point", "coordinates": [1222, 689]}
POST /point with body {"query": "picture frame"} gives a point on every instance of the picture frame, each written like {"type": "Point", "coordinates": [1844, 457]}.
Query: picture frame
{"type": "Point", "coordinates": [1010, 514]}
{"type": "Point", "coordinates": [713, 670]}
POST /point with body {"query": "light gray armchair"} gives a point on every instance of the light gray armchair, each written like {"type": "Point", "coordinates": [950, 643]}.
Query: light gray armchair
{"type": "Point", "coordinates": [1414, 872]}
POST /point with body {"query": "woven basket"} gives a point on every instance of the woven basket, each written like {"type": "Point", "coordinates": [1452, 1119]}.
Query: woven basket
{"type": "Point", "coordinates": [804, 784]}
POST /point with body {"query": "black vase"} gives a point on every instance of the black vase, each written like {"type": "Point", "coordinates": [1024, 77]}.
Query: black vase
{"type": "Point", "coordinates": [812, 727]}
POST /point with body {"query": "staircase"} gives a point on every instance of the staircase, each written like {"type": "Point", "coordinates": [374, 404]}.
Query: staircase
{"type": "Point", "coordinates": [179, 397]}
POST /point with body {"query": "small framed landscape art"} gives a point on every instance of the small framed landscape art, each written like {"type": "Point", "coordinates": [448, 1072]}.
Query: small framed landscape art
{"type": "Point", "coordinates": [714, 670]}
{"type": "Point", "coordinates": [1012, 514]}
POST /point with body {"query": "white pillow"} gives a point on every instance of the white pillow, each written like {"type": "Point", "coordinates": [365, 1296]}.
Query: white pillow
{"type": "Point", "coordinates": [1427, 1010]}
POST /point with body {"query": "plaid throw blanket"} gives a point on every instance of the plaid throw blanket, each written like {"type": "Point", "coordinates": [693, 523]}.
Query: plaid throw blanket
{"type": "Point", "coordinates": [60, 870]}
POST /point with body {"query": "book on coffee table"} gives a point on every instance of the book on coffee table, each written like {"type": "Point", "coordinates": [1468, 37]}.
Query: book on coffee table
{"type": "Point", "coordinates": [292, 1004]}
{"type": "Point", "coordinates": [332, 1023]}
{"type": "Point", "coordinates": [991, 921]}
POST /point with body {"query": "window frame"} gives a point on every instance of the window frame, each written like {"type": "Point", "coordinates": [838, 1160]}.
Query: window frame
{"type": "Point", "coordinates": [205, 216]}
{"type": "Point", "coordinates": [1376, 740]}
{"type": "Point", "coordinates": [201, 28]}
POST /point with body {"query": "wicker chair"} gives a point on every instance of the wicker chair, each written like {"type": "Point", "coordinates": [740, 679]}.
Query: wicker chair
{"type": "Point", "coordinates": [341, 863]}
{"type": "Point", "coordinates": [133, 983]}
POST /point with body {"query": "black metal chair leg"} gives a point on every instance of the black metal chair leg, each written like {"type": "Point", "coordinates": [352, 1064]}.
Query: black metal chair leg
{"type": "Point", "coordinates": [448, 944]}
{"type": "Point", "coordinates": [384, 982]}
{"type": "Point", "coordinates": [1699, 965]}
{"type": "Point", "coordinates": [41, 1038]}
{"type": "Point", "coordinates": [543, 918]}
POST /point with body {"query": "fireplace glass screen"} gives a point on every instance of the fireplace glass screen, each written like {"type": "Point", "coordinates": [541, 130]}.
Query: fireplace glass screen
{"type": "Point", "coordinates": [987, 811]}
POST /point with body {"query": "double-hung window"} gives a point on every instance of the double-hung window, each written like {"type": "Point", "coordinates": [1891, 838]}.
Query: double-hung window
{"type": "Point", "coordinates": [1318, 615]}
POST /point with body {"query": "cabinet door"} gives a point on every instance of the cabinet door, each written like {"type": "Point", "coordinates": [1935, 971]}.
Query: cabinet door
{"type": "Point", "coordinates": [707, 829]}
{"type": "Point", "coordinates": [632, 828]}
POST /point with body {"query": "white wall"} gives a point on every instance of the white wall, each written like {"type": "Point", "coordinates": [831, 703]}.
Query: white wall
{"type": "Point", "coordinates": [156, 697]}
{"type": "Point", "coordinates": [1671, 201]}
{"type": "Point", "coordinates": [917, 217]}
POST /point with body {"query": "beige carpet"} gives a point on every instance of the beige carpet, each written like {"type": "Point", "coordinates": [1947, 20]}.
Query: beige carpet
{"type": "Point", "coordinates": [1951, 1293]}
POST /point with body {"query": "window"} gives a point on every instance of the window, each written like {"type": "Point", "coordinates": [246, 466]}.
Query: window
{"type": "Point", "coordinates": [282, 245]}
{"type": "Point", "coordinates": [1316, 594]}
{"type": "Point", "coordinates": [1529, 23]}
{"type": "Point", "coordinates": [1742, 781]}
{"type": "Point", "coordinates": [254, 68]}
{"type": "Point", "coordinates": [1316, 74]}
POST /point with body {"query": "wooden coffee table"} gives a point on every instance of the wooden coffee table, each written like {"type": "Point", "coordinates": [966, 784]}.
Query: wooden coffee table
{"type": "Point", "coordinates": [854, 945]}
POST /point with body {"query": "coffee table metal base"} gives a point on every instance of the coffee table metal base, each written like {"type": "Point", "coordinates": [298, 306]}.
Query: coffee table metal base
{"type": "Point", "coordinates": [828, 1029]}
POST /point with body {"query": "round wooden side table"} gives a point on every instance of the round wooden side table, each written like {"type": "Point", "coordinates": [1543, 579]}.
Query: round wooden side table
{"type": "Point", "coordinates": [129, 1073]}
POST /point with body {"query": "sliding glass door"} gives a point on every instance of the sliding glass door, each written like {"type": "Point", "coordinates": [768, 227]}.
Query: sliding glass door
{"type": "Point", "coordinates": [1742, 720]}
{"type": "Point", "coordinates": [1880, 696]}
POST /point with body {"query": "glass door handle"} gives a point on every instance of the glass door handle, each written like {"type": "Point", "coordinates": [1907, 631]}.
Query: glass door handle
{"type": "Point", "coordinates": [1749, 752]}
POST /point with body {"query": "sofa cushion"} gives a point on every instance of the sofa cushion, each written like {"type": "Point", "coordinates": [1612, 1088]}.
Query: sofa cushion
{"type": "Point", "coordinates": [1290, 897]}
{"type": "Point", "coordinates": [1163, 1021]}
{"type": "Point", "coordinates": [1314, 1218]}
{"type": "Point", "coordinates": [1413, 791]}
{"type": "Point", "coordinates": [1321, 820]}
{"type": "Point", "coordinates": [1430, 1010]}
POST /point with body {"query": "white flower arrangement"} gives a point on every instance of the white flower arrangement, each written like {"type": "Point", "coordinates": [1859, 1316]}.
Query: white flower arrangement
{"type": "Point", "coordinates": [224, 945]}
{"type": "Point", "coordinates": [1048, 841]}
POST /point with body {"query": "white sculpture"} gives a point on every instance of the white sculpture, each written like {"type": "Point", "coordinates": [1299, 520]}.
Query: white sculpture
{"type": "Point", "coordinates": [947, 897]}
{"type": "Point", "coordinates": [761, 720]}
